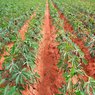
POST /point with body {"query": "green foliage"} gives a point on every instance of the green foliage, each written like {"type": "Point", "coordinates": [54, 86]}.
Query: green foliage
{"type": "Point", "coordinates": [81, 16]}
{"type": "Point", "coordinates": [71, 59]}
{"type": "Point", "coordinates": [18, 67]}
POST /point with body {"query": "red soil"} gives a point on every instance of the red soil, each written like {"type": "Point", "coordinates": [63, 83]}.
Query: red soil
{"type": "Point", "coordinates": [90, 67]}
{"type": "Point", "coordinates": [50, 76]}
{"type": "Point", "coordinates": [22, 32]}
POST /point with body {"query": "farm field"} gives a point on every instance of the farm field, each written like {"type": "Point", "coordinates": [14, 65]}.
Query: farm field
{"type": "Point", "coordinates": [47, 47]}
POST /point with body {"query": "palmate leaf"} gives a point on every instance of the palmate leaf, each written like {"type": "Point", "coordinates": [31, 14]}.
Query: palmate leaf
{"type": "Point", "coordinates": [30, 59]}
{"type": "Point", "coordinates": [11, 66]}
{"type": "Point", "coordinates": [21, 77]}
{"type": "Point", "coordinates": [16, 77]}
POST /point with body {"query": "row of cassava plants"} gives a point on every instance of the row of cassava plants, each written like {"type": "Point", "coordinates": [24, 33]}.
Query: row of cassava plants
{"type": "Point", "coordinates": [82, 17]}
{"type": "Point", "coordinates": [76, 80]}
{"type": "Point", "coordinates": [76, 11]}
{"type": "Point", "coordinates": [18, 67]}
{"type": "Point", "coordinates": [13, 14]}
{"type": "Point", "coordinates": [14, 9]}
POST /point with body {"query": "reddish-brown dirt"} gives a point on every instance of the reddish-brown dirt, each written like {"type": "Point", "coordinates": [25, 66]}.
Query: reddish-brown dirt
{"type": "Point", "coordinates": [22, 32]}
{"type": "Point", "coordinates": [90, 67]}
{"type": "Point", "coordinates": [50, 76]}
